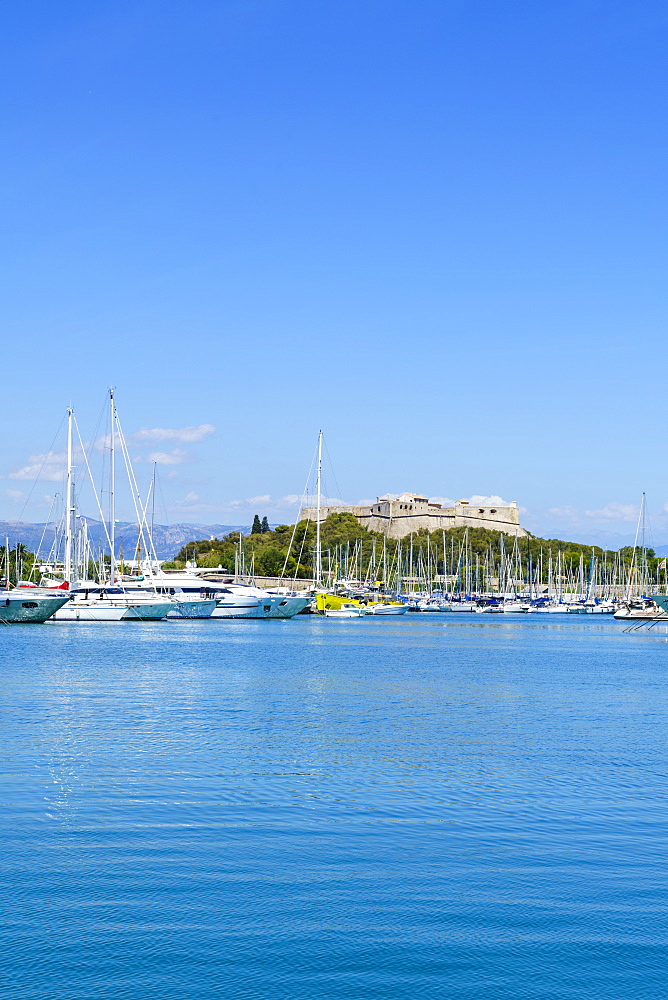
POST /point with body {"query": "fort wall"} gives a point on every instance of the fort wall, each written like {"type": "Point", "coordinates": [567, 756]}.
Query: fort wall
{"type": "Point", "coordinates": [399, 516]}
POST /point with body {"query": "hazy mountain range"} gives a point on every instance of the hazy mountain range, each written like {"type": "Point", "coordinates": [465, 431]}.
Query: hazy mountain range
{"type": "Point", "coordinates": [168, 538]}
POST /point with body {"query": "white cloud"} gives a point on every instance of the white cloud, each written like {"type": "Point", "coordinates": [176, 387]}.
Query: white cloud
{"type": "Point", "coordinates": [614, 512]}
{"type": "Point", "coordinates": [311, 500]}
{"type": "Point", "coordinates": [488, 501]}
{"type": "Point", "coordinates": [567, 513]}
{"type": "Point", "coordinates": [100, 443]}
{"type": "Point", "coordinates": [264, 503]}
{"type": "Point", "coordinates": [192, 502]}
{"type": "Point", "coordinates": [16, 496]}
{"type": "Point", "coordinates": [50, 467]}
{"type": "Point", "coordinates": [174, 457]}
{"type": "Point", "coordinates": [611, 512]}
{"type": "Point", "coordinates": [187, 435]}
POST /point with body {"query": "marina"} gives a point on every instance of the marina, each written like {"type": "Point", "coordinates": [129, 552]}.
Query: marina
{"type": "Point", "coordinates": [381, 575]}
{"type": "Point", "coordinates": [334, 521]}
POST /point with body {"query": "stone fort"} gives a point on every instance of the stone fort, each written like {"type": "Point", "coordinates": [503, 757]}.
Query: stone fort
{"type": "Point", "coordinates": [398, 516]}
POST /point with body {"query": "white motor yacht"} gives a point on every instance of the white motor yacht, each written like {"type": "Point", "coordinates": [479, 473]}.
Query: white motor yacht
{"type": "Point", "coordinates": [191, 597]}
{"type": "Point", "coordinates": [196, 597]}
{"type": "Point", "coordinates": [237, 600]}
{"type": "Point", "coordinates": [641, 610]}
{"type": "Point", "coordinates": [290, 603]}
{"type": "Point", "coordinates": [428, 606]}
{"type": "Point", "coordinates": [243, 600]}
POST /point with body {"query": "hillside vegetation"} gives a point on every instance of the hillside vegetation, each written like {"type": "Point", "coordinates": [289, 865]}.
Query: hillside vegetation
{"type": "Point", "coordinates": [266, 553]}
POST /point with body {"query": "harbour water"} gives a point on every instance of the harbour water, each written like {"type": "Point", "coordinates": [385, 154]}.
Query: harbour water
{"type": "Point", "coordinates": [402, 808]}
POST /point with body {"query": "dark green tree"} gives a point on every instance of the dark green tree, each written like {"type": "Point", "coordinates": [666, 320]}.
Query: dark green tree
{"type": "Point", "coordinates": [257, 527]}
{"type": "Point", "coordinates": [264, 527]}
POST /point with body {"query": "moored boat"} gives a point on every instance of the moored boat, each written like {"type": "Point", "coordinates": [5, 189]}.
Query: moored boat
{"type": "Point", "coordinates": [345, 611]}
{"type": "Point", "coordinates": [386, 609]}
{"type": "Point", "coordinates": [30, 606]}
{"type": "Point", "coordinates": [93, 602]}
{"type": "Point", "coordinates": [653, 609]}
{"type": "Point", "coordinates": [189, 596]}
{"type": "Point", "coordinates": [290, 603]}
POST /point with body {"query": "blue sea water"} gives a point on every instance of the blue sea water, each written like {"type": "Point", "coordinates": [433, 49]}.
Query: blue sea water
{"type": "Point", "coordinates": [394, 808]}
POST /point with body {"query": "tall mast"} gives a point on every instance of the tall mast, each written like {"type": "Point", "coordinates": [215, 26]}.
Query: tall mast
{"type": "Point", "coordinates": [153, 510]}
{"type": "Point", "coordinates": [69, 510]}
{"type": "Point", "coordinates": [318, 543]}
{"type": "Point", "coordinates": [112, 486]}
{"type": "Point", "coordinates": [643, 576]}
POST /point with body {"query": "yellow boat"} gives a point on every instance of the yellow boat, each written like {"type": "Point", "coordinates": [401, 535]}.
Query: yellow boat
{"type": "Point", "coordinates": [333, 602]}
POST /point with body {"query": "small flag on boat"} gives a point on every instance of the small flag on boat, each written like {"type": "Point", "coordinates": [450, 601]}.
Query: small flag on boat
{"type": "Point", "coordinates": [662, 564]}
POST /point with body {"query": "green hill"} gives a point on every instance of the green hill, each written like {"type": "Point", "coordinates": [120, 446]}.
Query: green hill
{"type": "Point", "coordinates": [348, 549]}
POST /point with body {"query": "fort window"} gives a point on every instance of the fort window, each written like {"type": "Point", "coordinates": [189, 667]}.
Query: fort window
{"type": "Point", "coordinates": [492, 511]}
{"type": "Point", "coordinates": [480, 510]}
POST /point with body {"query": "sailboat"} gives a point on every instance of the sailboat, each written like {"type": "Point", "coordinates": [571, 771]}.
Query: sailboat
{"type": "Point", "coordinates": [194, 597]}
{"type": "Point", "coordinates": [104, 601]}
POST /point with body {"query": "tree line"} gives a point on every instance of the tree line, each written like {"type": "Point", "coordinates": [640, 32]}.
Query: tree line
{"type": "Point", "coordinates": [346, 544]}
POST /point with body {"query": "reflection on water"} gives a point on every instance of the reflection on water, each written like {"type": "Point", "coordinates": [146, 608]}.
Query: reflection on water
{"type": "Point", "coordinates": [421, 806]}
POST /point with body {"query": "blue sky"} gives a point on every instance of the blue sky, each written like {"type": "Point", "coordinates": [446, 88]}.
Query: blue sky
{"type": "Point", "coordinates": [437, 230]}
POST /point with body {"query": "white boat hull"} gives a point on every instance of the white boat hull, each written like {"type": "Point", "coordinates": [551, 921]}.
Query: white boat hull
{"type": "Point", "coordinates": [625, 615]}
{"type": "Point", "coordinates": [148, 612]}
{"type": "Point", "coordinates": [387, 609]}
{"type": "Point", "coordinates": [288, 607]}
{"type": "Point", "coordinates": [335, 613]}
{"type": "Point", "coordinates": [256, 609]}
{"type": "Point", "coordinates": [93, 611]}
{"type": "Point", "coordinates": [89, 604]}
{"type": "Point", "coordinates": [192, 609]}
